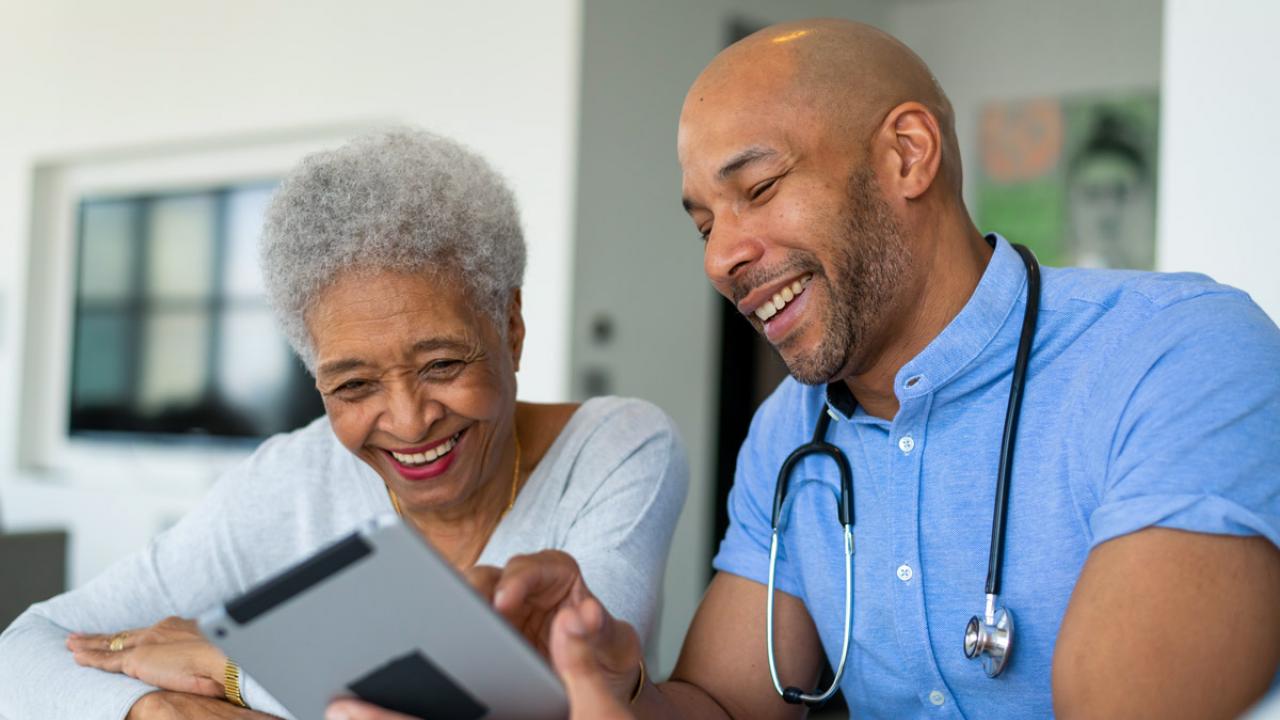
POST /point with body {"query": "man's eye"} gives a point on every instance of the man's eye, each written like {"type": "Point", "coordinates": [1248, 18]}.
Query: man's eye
{"type": "Point", "coordinates": [762, 188]}
{"type": "Point", "coordinates": [704, 234]}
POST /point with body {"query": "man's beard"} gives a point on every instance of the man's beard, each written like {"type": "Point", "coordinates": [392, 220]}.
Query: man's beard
{"type": "Point", "coordinates": [870, 260]}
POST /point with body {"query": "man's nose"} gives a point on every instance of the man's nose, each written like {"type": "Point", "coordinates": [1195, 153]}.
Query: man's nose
{"type": "Point", "coordinates": [731, 248]}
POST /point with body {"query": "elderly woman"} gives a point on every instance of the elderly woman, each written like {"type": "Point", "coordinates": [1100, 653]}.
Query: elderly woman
{"type": "Point", "coordinates": [394, 265]}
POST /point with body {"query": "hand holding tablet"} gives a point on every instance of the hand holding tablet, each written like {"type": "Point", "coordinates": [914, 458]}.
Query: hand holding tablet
{"type": "Point", "coordinates": [544, 594]}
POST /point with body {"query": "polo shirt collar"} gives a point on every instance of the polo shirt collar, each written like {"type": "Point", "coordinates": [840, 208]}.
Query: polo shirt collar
{"type": "Point", "coordinates": [965, 337]}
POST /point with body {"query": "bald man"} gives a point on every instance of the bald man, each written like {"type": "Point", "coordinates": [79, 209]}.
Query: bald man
{"type": "Point", "coordinates": [820, 166]}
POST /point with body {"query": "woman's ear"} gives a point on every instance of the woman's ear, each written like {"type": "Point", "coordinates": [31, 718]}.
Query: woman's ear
{"type": "Point", "coordinates": [515, 328]}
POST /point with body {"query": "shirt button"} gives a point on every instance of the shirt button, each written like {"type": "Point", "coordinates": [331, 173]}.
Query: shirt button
{"type": "Point", "coordinates": [937, 698]}
{"type": "Point", "coordinates": [904, 572]}
{"type": "Point", "coordinates": [906, 444]}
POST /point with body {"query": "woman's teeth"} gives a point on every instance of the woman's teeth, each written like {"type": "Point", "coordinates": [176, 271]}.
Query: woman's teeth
{"type": "Point", "coordinates": [431, 455]}
{"type": "Point", "coordinates": [774, 305]}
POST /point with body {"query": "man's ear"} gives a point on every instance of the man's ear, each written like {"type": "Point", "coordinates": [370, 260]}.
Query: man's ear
{"type": "Point", "coordinates": [515, 328]}
{"type": "Point", "coordinates": [914, 150]}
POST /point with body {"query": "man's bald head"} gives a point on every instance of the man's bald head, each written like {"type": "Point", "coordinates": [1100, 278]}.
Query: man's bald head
{"type": "Point", "coordinates": [849, 73]}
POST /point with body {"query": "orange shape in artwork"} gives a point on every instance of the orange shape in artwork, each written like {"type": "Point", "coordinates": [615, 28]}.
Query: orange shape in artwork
{"type": "Point", "coordinates": [1021, 141]}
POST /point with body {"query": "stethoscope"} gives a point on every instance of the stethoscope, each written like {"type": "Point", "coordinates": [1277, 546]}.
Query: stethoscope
{"type": "Point", "coordinates": [987, 637]}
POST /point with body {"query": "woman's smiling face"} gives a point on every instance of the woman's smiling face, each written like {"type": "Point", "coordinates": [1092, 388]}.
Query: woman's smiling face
{"type": "Point", "coordinates": [418, 382]}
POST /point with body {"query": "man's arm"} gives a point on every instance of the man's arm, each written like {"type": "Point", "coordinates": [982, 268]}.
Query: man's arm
{"type": "Point", "coordinates": [1166, 623]}
{"type": "Point", "coordinates": [723, 671]}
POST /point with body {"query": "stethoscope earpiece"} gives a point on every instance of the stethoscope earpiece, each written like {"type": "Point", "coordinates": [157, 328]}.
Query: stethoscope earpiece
{"type": "Point", "coordinates": [990, 639]}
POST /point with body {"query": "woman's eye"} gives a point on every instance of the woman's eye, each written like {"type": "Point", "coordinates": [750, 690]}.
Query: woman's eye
{"type": "Point", "coordinates": [762, 188]}
{"type": "Point", "coordinates": [704, 233]}
{"type": "Point", "coordinates": [443, 368]}
{"type": "Point", "coordinates": [352, 387]}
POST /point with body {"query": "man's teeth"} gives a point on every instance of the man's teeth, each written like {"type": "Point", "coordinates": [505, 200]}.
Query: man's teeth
{"type": "Point", "coordinates": [774, 305]}
{"type": "Point", "coordinates": [431, 455]}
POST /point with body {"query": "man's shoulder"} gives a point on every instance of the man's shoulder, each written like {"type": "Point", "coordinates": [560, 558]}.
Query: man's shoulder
{"type": "Point", "coordinates": [1141, 315]}
{"type": "Point", "coordinates": [1143, 293]}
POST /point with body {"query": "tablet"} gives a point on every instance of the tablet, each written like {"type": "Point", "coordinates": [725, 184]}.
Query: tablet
{"type": "Point", "coordinates": [381, 616]}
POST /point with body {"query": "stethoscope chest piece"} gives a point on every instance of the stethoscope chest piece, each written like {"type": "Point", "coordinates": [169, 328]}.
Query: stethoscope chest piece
{"type": "Point", "coordinates": [990, 639]}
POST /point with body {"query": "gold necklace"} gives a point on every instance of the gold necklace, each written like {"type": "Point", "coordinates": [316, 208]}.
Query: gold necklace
{"type": "Point", "coordinates": [515, 483]}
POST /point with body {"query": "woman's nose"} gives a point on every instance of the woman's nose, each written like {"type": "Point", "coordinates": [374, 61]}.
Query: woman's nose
{"type": "Point", "coordinates": [410, 415]}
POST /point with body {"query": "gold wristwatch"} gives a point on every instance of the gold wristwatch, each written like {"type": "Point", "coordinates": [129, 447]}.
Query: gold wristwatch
{"type": "Point", "coordinates": [231, 683]}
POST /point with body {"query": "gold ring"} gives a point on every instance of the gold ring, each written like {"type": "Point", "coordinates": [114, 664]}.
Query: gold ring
{"type": "Point", "coordinates": [117, 642]}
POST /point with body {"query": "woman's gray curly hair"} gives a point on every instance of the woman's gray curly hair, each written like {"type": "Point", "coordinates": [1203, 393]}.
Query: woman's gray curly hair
{"type": "Point", "coordinates": [400, 200]}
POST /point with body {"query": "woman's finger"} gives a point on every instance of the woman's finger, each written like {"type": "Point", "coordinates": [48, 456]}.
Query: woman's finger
{"type": "Point", "coordinates": [189, 667]}
{"type": "Point", "coordinates": [101, 659]}
{"type": "Point", "coordinates": [114, 642]}
{"type": "Point", "coordinates": [169, 630]}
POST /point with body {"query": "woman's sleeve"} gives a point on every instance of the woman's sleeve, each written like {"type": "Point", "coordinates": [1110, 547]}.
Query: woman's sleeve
{"type": "Point", "coordinates": [184, 571]}
{"type": "Point", "coordinates": [636, 475]}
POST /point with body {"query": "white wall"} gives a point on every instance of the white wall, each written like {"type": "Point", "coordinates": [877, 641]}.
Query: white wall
{"type": "Point", "coordinates": [1218, 144]}
{"type": "Point", "coordinates": [80, 79]}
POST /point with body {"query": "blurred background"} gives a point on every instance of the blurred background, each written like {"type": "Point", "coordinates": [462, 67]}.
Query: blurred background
{"type": "Point", "coordinates": [140, 141]}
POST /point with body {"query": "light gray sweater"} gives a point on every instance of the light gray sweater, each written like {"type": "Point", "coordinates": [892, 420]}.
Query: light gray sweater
{"type": "Point", "coordinates": [608, 492]}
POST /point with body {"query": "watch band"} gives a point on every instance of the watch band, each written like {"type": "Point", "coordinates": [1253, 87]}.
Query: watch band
{"type": "Point", "coordinates": [231, 683]}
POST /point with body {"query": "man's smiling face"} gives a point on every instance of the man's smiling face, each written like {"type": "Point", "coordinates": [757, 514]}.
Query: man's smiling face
{"type": "Point", "coordinates": [797, 233]}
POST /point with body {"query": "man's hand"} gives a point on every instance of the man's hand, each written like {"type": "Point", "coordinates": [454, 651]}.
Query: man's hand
{"type": "Point", "coordinates": [544, 597]}
{"type": "Point", "coordinates": [586, 683]}
{"type": "Point", "coordinates": [543, 592]}
{"type": "Point", "coordinates": [165, 705]}
{"type": "Point", "coordinates": [591, 690]}
{"type": "Point", "coordinates": [170, 655]}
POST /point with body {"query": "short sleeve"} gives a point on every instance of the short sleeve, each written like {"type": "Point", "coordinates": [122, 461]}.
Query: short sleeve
{"type": "Point", "coordinates": [634, 474]}
{"type": "Point", "coordinates": [1197, 442]}
{"type": "Point", "coordinates": [744, 551]}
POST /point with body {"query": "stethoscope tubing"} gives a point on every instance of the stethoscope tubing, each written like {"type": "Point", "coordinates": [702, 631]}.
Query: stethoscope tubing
{"type": "Point", "coordinates": [794, 694]}
{"type": "Point", "coordinates": [995, 560]}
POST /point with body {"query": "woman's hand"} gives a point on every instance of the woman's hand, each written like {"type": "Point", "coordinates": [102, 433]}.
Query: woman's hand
{"type": "Point", "coordinates": [165, 705]}
{"type": "Point", "coordinates": [171, 655]}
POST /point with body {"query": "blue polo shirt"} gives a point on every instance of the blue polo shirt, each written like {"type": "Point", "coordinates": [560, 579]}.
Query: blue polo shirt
{"type": "Point", "coordinates": [1151, 400]}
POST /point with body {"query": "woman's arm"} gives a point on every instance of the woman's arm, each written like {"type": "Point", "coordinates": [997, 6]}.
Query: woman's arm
{"type": "Point", "coordinates": [621, 533]}
{"type": "Point", "coordinates": [248, 525]}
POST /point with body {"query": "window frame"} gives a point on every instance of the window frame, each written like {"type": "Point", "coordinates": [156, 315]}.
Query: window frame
{"type": "Point", "coordinates": [46, 448]}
